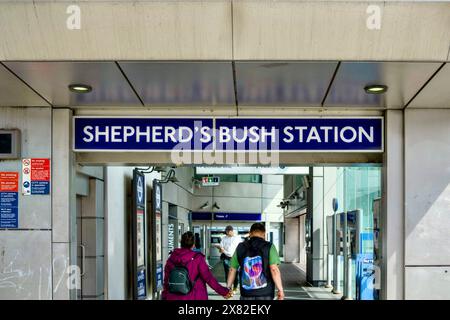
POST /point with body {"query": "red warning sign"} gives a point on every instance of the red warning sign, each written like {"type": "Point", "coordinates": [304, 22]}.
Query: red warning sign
{"type": "Point", "coordinates": [40, 169]}
{"type": "Point", "coordinates": [35, 176]}
{"type": "Point", "coordinates": [9, 182]}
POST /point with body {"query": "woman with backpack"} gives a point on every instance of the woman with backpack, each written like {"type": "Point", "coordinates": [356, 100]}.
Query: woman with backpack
{"type": "Point", "coordinates": [186, 274]}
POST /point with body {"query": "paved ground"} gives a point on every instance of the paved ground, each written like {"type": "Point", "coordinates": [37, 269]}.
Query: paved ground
{"type": "Point", "coordinates": [294, 283]}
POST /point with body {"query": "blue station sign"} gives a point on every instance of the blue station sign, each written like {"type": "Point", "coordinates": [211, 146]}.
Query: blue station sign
{"type": "Point", "coordinates": [307, 134]}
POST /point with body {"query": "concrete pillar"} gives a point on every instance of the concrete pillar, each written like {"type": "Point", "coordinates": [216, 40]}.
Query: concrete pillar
{"type": "Point", "coordinates": [427, 203]}
{"type": "Point", "coordinates": [64, 233]}
{"type": "Point", "coordinates": [316, 272]}
{"type": "Point", "coordinates": [392, 220]}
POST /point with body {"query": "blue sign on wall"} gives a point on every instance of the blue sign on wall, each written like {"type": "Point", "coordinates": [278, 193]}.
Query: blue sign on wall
{"type": "Point", "coordinates": [301, 134]}
{"type": "Point", "coordinates": [40, 187]}
{"type": "Point", "coordinates": [351, 134]}
{"type": "Point", "coordinates": [9, 209]}
{"type": "Point", "coordinates": [141, 284]}
{"type": "Point", "coordinates": [159, 276]}
{"type": "Point", "coordinates": [141, 134]}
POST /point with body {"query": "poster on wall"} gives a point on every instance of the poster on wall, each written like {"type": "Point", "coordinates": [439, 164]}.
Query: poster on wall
{"type": "Point", "coordinates": [157, 209]}
{"type": "Point", "coordinates": [9, 200]}
{"type": "Point", "coordinates": [35, 176]}
{"type": "Point", "coordinates": [157, 266]}
{"type": "Point", "coordinates": [159, 276]}
{"type": "Point", "coordinates": [140, 238]}
{"type": "Point", "coordinates": [158, 237]}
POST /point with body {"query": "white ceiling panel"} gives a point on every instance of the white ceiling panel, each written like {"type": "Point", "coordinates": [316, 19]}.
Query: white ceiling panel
{"type": "Point", "coordinates": [51, 80]}
{"type": "Point", "coordinates": [295, 84]}
{"type": "Point", "coordinates": [404, 80]}
{"type": "Point", "coordinates": [14, 93]}
{"type": "Point", "coordinates": [436, 93]}
{"type": "Point", "coordinates": [182, 83]}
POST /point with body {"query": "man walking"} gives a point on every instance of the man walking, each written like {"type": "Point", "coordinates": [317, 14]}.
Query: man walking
{"type": "Point", "coordinates": [228, 246]}
{"type": "Point", "coordinates": [258, 261]}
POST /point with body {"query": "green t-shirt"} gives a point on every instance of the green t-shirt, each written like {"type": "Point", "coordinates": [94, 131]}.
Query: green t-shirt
{"type": "Point", "coordinates": [274, 258]}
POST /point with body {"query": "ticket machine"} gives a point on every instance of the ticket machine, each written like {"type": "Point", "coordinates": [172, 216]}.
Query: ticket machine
{"type": "Point", "coordinates": [360, 245]}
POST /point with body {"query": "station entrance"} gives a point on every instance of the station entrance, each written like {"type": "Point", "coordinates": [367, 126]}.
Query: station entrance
{"type": "Point", "coordinates": [315, 182]}
{"type": "Point", "coordinates": [295, 201]}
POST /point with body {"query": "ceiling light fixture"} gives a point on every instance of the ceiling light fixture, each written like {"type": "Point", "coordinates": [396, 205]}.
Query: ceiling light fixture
{"type": "Point", "coordinates": [80, 88]}
{"type": "Point", "coordinates": [375, 89]}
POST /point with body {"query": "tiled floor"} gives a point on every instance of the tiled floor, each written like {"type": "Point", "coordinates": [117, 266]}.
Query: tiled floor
{"type": "Point", "coordinates": [294, 283]}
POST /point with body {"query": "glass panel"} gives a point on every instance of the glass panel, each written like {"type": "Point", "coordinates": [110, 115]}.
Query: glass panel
{"type": "Point", "coordinates": [362, 185]}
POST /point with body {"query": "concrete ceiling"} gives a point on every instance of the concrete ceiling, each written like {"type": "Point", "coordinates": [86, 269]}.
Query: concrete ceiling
{"type": "Point", "coordinates": [293, 84]}
{"type": "Point", "coordinates": [192, 84]}
{"type": "Point", "coordinates": [225, 30]}
{"type": "Point", "coordinates": [228, 85]}
{"type": "Point", "coordinates": [436, 94]}
{"type": "Point", "coordinates": [15, 93]}
{"type": "Point", "coordinates": [50, 80]}
{"type": "Point", "coordinates": [403, 79]}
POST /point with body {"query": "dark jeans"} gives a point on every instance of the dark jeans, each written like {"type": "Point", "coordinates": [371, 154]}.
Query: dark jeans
{"type": "Point", "coordinates": [226, 267]}
{"type": "Point", "coordinates": [257, 298]}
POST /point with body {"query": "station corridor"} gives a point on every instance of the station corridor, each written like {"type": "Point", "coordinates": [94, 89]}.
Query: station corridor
{"type": "Point", "coordinates": [294, 284]}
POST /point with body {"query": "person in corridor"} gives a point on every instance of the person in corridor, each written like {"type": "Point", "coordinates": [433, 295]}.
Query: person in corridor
{"type": "Point", "coordinates": [199, 272]}
{"type": "Point", "coordinates": [257, 261]}
{"type": "Point", "coordinates": [228, 246]}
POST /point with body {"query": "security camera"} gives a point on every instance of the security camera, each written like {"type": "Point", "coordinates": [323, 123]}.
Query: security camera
{"type": "Point", "coordinates": [283, 204]}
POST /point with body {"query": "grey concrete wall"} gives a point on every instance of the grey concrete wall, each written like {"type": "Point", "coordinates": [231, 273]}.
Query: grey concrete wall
{"type": "Point", "coordinates": [392, 219]}
{"type": "Point", "coordinates": [27, 256]}
{"type": "Point", "coordinates": [292, 244]}
{"type": "Point", "coordinates": [427, 204]}
{"type": "Point", "coordinates": [64, 235]}
{"type": "Point", "coordinates": [181, 195]}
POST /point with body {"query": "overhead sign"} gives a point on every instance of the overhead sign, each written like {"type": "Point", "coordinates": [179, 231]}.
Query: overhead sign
{"type": "Point", "coordinates": [237, 216]}
{"type": "Point", "coordinates": [201, 215]}
{"type": "Point", "coordinates": [9, 199]}
{"type": "Point", "coordinates": [231, 216]}
{"type": "Point", "coordinates": [210, 181]}
{"type": "Point", "coordinates": [325, 134]}
{"type": "Point", "coordinates": [35, 176]}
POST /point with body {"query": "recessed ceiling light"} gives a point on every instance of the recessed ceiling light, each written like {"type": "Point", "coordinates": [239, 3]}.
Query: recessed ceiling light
{"type": "Point", "coordinates": [375, 89]}
{"type": "Point", "coordinates": [80, 88]}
